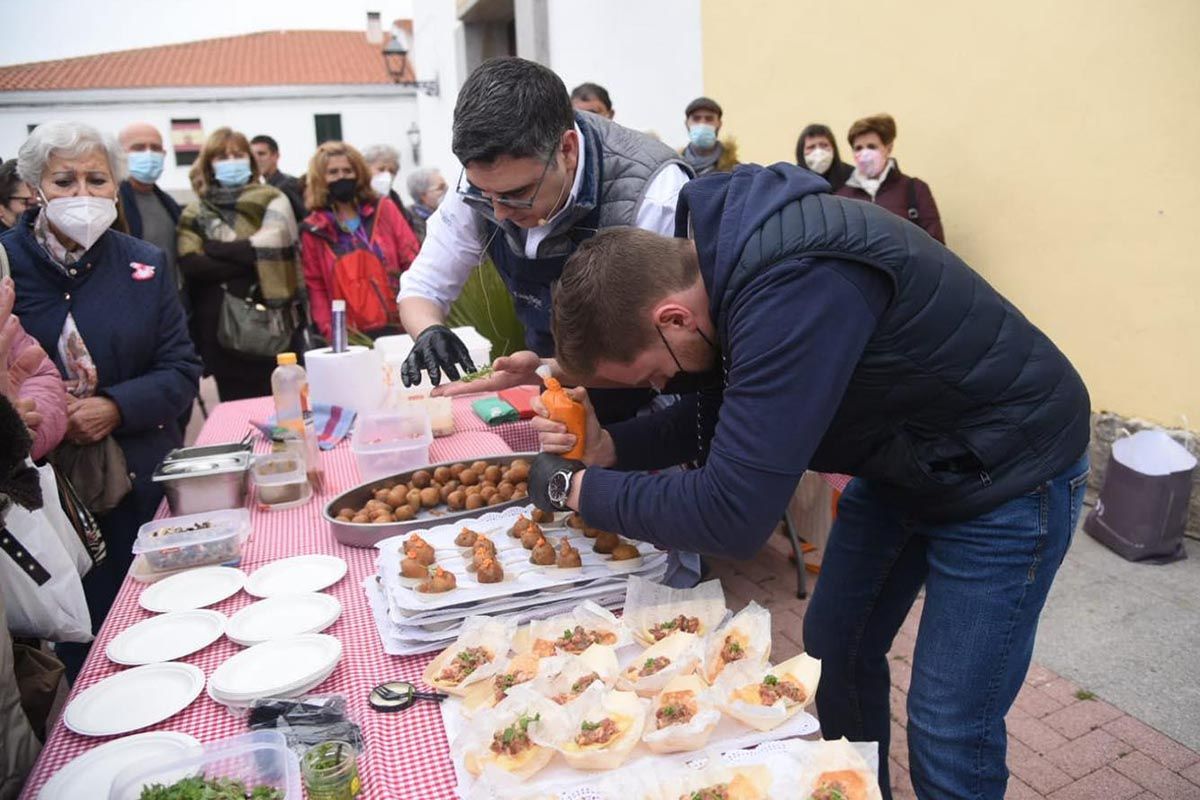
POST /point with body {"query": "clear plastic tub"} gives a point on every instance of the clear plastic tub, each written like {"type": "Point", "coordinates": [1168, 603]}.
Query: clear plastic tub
{"type": "Point", "coordinates": [196, 540]}
{"type": "Point", "coordinates": [388, 442]}
{"type": "Point", "coordinates": [259, 759]}
{"type": "Point", "coordinates": [397, 348]}
{"type": "Point", "coordinates": [281, 480]}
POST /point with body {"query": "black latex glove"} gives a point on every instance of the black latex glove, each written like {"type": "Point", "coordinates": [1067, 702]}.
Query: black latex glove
{"type": "Point", "coordinates": [436, 350]}
{"type": "Point", "coordinates": [544, 466]}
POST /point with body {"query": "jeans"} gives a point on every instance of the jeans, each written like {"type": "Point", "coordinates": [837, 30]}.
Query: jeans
{"type": "Point", "coordinates": [985, 581]}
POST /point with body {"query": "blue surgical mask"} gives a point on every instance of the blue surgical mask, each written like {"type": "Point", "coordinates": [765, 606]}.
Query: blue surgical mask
{"type": "Point", "coordinates": [232, 172]}
{"type": "Point", "coordinates": [145, 166]}
{"type": "Point", "coordinates": [702, 136]}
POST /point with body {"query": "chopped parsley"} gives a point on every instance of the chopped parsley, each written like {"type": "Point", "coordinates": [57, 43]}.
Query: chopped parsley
{"type": "Point", "coordinates": [588, 727]}
{"type": "Point", "coordinates": [770, 680]}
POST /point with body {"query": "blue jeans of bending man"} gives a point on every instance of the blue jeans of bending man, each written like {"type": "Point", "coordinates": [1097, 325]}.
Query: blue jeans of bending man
{"type": "Point", "coordinates": [985, 583]}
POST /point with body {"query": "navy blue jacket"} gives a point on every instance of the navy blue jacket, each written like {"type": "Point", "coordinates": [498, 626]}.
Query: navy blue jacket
{"type": "Point", "coordinates": [134, 329]}
{"type": "Point", "coordinates": [853, 342]}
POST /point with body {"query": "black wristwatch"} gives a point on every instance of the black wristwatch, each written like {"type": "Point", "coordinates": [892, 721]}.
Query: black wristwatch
{"type": "Point", "coordinates": [559, 487]}
{"type": "Point", "coordinates": [550, 481]}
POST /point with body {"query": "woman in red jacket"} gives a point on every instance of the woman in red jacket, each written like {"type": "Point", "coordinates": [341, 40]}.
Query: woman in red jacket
{"type": "Point", "coordinates": [877, 177]}
{"type": "Point", "coordinates": [354, 247]}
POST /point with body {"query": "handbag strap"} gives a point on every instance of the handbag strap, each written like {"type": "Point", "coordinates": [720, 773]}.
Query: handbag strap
{"type": "Point", "coordinates": [913, 213]}
{"type": "Point", "coordinates": [17, 552]}
{"type": "Point", "coordinates": [81, 518]}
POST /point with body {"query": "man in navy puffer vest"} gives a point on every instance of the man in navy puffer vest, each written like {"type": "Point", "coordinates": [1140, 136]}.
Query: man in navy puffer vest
{"type": "Point", "coordinates": [816, 332]}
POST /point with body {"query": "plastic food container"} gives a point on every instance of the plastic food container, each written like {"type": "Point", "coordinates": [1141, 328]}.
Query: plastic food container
{"type": "Point", "coordinates": [196, 540]}
{"type": "Point", "coordinates": [259, 759]}
{"type": "Point", "coordinates": [396, 348]}
{"type": "Point", "coordinates": [388, 442]}
{"type": "Point", "coordinates": [281, 480]}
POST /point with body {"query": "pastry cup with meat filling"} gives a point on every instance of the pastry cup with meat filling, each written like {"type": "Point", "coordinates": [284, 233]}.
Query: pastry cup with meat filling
{"type": "Point", "coordinates": [596, 665]}
{"type": "Point", "coordinates": [653, 611]}
{"type": "Point", "coordinates": [682, 716]}
{"type": "Point", "coordinates": [488, 570]}
{"type": "Point", "coordinates": [517, 736]}
{"type": "Point", "coordinates": [745, 637]}
{"type": "Point", "coordinates": [658, 664]}
{"type": "Point", "coordinates": [764, 698]}
{"type": "Point", "coordinates": [478, 653]}
{"type": "Point", "coordinates": [586, 625]}
{"type": "Point", "coordinates": [520, 669]}
{"type": "Point", "coordinates": [745, 782]}
{"type": "Point", "coordinates": [606, 726]}
{"type": "Point", "coordinates": [838, 771]}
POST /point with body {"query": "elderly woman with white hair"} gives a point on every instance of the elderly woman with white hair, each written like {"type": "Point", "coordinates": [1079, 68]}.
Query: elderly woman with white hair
{"type": "Point", "coordinates": [426, 187]}
{"type": "Point", "coordinates": [104, 306]}
{"type": "Point", "coordinates": [383, 161]}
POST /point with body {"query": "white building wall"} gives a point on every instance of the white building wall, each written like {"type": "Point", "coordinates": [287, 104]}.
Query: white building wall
{"type": "Point", "coordinates": [646, 54]}
{"type": "Point", "coordinates": [438, 52]}
{"type": "Point", "coordinates": [366, 120]}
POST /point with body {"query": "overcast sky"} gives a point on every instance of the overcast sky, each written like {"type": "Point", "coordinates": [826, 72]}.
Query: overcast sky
{"type": "Point", "coordinates": [43, 30]}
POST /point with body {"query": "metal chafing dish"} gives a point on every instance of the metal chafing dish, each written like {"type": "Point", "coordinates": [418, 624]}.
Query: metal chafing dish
{"type": "Point", "coordinates": [362, 534]}
{"type": "Point", "coordinates": [199, 479]}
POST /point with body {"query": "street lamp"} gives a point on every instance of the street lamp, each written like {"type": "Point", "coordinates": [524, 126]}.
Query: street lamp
{"type": "Point", "coordinates": [395, 58]}
{"type": "Point", "coordinates": [414, 140]}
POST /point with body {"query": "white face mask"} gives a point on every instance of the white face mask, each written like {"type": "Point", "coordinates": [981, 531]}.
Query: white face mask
{"type": "Point", "coordinates": [818, 159]}
{"type": "Point", "coordinates": [381, 182]}
{"type": "Point", "coordinates": [84, 218]}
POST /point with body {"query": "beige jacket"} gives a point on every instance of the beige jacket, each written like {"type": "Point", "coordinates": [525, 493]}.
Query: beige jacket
{"type": "Point", "coordinates": [19, 747]}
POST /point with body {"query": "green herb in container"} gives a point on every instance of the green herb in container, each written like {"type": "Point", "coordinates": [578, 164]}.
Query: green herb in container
{"type": "Point", "coordinates": [330, 771]}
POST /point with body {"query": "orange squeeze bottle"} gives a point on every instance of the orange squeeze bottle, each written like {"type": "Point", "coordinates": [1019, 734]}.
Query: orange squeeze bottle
{"type": "Point", "coordinates": [569, 412]}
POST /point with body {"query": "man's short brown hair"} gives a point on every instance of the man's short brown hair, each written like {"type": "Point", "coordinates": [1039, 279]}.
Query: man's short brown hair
{"type": "Point", "coordinates": [881, 124]}
{"type": "Point", "coordinates": [606, 288]}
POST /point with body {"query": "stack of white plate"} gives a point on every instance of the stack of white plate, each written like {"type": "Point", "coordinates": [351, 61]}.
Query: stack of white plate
{"type": "Point", "coordinates": [283, 616]}
{"type": "Point", "coordinates": [277, 668]}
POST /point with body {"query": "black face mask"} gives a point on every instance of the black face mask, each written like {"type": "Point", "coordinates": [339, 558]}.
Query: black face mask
{"type": "Point", "coordinates": [343, 189]}
{"type": "Point", "coordinates": [684, 382]}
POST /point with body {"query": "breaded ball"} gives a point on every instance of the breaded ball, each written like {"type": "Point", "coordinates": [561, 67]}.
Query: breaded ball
{"type": "Point", "coordinates": [605, 542]}
{"type": "Point", "coordinates": [429, 497]}
{"type": "Point", "coordinates": [442, 475]}
{"type": "Point", "coordinates": [474, 502]}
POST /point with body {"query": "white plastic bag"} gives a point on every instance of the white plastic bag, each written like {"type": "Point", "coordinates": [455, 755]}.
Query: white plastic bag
{"type": "Point", "coordinates": [57, 609]}
{"type": "Point", "coordinates": [60, 523]}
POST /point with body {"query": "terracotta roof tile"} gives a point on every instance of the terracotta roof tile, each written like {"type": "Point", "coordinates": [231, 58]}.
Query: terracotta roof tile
{"type": "Point", "coordinates": [270, 58]}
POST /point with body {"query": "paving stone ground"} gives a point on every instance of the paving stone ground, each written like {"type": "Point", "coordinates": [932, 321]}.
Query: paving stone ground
{"type": "Point", "coordinates": [1064, 743]}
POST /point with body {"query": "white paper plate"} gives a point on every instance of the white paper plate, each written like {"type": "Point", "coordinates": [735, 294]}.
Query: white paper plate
{"type": "Point", "coordinates": [276, 666]}
{"type": "Point", "coordinates": [166, 637]}
{"type": "Point", "coordinates": [134, 699]}
{"type": "Point", "coordinates": [195, 588]}
{"type": "Point", "coordinates": [282, 616]}
{"type": "Point", "coordinates": [91, 774]}
{"type": "Point", "coordinates": [310, 573]}
{"type": "Point", "coordinates": [295, 690]}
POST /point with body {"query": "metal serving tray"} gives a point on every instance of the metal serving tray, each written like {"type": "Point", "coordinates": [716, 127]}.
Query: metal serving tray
{"type": "Point", "coordinates": [365, 534]}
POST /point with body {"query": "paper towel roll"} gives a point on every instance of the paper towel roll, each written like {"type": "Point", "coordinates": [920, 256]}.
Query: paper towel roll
{"type": "Point", "coordinates": [352, 380]}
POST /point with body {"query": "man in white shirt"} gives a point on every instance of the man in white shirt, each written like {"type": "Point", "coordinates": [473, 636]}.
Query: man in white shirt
{"type": "Point", "coordinates": [538, 179]}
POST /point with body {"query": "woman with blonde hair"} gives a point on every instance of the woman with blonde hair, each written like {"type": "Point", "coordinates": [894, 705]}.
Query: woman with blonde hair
{"type": "Point", "coordinates": [354, 245]}
{"type": "Point", "coordinates": [877, 177]}
{"type": "Point", "coordinates": [237, 252]}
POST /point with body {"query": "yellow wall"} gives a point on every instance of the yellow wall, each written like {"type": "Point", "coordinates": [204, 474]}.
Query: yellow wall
{"type": "Point", "coordinates": [1061, 140]}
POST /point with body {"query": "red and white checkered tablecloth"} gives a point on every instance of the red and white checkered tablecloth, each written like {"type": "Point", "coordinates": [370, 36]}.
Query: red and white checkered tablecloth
{"type": "Point", "coordinates": [407, 755]}
{"type": "Point", "coordinates": [518, 435]}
